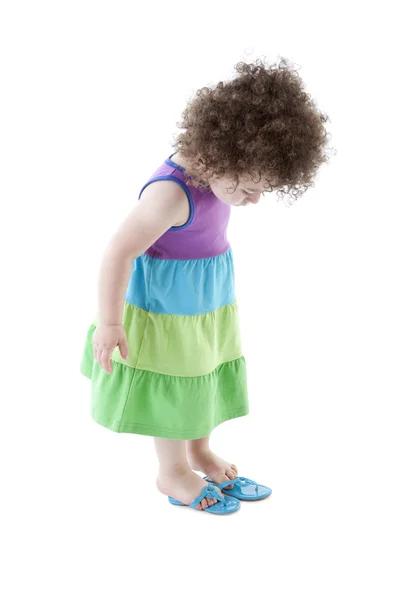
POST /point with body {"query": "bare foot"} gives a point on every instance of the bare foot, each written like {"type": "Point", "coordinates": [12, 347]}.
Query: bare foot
{"type": "Point", "coordinates": [212, 465]}
{"type": "Point", "coordinates": [183, 485]}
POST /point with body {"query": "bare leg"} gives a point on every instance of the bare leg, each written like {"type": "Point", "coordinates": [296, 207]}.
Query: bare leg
{"type": "Point", "coordinates": [175, 477]}
{"type": "Point", "coordinates": [201, 458]}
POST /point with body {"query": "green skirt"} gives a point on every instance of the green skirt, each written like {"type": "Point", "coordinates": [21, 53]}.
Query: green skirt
{"type": "Point", "coordinates": [184, 375]}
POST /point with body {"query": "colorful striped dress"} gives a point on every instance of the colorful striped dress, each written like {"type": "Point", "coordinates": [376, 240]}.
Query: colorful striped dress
{"type": "Point", "coordinates": [185, 373]}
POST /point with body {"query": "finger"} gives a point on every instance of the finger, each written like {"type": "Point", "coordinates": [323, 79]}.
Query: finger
{"type": "Point", "coordinates": [97, 354]}
{"type": "Point", "coordinates": [124, 349]}
{"type": "Point", "coordinates": [105, 360]}
{"type": "Point", "coordinates": [94, 346]}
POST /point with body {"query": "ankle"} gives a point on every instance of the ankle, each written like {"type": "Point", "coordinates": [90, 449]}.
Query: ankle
{"type": "Point", "coordinates": [200, 459]}
{"type": "Point", "coordinates": [203, 453]}
{"type": "Point", "coordinates": [174, 470]}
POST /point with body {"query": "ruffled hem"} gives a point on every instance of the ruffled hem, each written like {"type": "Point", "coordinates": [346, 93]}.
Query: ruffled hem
{"type": "Point", "coordinates": [161, 432]}
{"type": "Point", "coordinates": [130, 400]}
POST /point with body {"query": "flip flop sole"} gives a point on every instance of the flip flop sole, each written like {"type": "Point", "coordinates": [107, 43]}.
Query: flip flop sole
{"type": "Point", "coordinates": [263, 493]}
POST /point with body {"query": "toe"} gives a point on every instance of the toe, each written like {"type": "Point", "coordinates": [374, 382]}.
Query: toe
{"type": "Point", "coordinates": [235, 469]}
{"type": "Point", "coordinates": [204, 503]}
{"type": "Point", "coordinates": [231, 473]}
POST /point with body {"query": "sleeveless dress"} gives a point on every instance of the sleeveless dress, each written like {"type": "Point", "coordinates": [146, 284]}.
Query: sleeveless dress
{"type": "Point", "coordinates": [185, 373]}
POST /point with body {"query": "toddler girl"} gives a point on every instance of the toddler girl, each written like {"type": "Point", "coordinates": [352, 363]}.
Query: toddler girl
{"type": "Point", "coordinates": [163, 352]}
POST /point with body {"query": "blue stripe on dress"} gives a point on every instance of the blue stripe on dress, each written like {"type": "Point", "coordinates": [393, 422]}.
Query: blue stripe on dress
{"type": "Point", "coordinates": [182, 287]}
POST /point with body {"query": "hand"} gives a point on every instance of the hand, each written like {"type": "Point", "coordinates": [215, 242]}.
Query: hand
{"type": "Point", "coordinates": [105, 339]}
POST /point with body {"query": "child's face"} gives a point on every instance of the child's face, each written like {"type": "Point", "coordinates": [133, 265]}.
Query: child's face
{"type": "Point", "coordinates": [246, 192]}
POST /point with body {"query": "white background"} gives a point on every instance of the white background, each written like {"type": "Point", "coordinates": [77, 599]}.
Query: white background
{"type": "Point", "coordinates": [90, 96]}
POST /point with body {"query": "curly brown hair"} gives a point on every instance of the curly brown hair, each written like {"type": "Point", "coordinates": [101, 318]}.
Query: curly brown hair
{"type": "Point", "coordinates": [260, 124]}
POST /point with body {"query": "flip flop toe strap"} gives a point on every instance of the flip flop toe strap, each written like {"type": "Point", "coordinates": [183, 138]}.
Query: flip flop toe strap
{"type": "Point", "coordinates": [209, 491]}
{"type": "Point", "coordinates": [239, 481]}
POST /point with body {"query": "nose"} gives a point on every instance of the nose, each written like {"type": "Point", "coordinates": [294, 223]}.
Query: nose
{"type": "Point", "coordinates": [255, 199]}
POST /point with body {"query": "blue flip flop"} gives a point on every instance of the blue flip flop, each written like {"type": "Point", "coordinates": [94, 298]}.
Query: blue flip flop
{"type": "Point", "coordinates": [243, 488]}
{"type": "Point", "coordinates": [224, 505]}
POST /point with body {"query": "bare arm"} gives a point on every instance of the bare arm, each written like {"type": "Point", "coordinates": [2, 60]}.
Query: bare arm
{"type": "Point", "coordinates": [162, 205]}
